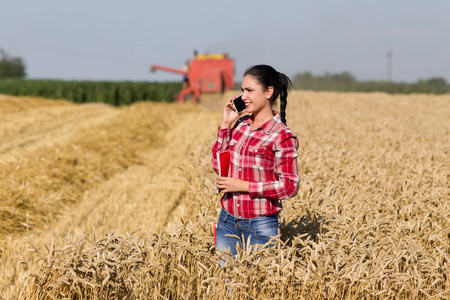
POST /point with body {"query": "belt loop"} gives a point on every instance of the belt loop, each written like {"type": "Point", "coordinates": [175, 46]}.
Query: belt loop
{"type": "Point", "coordinates": [226, 216]}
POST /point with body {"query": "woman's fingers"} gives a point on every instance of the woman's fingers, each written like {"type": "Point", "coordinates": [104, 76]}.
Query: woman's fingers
{"type": "Point", "coordinates": [231, 184]}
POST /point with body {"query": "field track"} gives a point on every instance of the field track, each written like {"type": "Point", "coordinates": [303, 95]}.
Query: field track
{"type": "Point", "coordinates": [371, 217]}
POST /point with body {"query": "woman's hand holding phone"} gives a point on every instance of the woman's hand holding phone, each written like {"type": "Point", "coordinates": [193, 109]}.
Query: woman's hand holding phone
{"type": "Point", "coordinates": [239, 104]}
{"type": "Point", "coordinates": [229, 114]}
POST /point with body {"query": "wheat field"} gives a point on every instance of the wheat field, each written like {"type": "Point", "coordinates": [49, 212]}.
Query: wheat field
{"type": "Point", "coordinates": [100, 202]}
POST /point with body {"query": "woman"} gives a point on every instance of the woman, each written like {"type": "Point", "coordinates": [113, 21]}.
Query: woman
{"type": "Point", "coordinates": [263, 161]}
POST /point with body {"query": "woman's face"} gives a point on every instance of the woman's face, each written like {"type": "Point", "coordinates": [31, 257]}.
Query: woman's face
{"type": "Point", "coordinates": [255, 97]}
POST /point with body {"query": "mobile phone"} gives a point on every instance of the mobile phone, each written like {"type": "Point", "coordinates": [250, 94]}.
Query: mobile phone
{"type": "Point", "coordinates": [239, 104]}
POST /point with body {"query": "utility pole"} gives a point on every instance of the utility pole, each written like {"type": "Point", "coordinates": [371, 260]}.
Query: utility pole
{"type": "Point", "coordinates": [389, 71]}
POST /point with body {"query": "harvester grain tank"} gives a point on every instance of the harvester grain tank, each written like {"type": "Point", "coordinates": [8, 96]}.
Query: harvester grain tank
{"type": "Point", "coordinates": [205, 74]}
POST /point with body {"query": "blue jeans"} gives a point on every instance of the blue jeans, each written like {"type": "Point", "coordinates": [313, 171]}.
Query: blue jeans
{"type": "Point", "coordinates": [260, 230]}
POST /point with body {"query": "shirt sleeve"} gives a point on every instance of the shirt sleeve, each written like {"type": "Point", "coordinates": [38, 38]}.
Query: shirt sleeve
{"type": "Point", "coordinates": [221, 144]}
{"type": "Point", "coordinates": [287, 185]}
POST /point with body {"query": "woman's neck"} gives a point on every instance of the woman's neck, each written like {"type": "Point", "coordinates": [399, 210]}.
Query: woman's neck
{"type": "Point", "coordinates": [262, 117]}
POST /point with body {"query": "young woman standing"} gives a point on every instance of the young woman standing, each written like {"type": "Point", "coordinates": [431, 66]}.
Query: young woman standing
{"type": "Point", "coordinates": [263, 161]}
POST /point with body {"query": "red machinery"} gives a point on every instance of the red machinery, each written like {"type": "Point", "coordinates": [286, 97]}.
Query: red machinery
{"type": "Point", "coordinates": [206, 73]}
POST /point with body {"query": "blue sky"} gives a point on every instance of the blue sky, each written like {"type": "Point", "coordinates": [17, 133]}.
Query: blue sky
{"type": "Point", "coordinates": [119, 40]}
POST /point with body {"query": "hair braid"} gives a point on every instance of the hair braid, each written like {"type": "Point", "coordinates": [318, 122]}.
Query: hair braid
{"type": "Point", "coordinates": [284, 84]}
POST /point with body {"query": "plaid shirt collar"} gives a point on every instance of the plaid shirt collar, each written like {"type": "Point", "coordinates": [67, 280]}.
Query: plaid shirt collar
{"type": "Point", "coordinates": [268, 127]}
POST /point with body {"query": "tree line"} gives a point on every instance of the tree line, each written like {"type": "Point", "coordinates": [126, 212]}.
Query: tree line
{"type": "Point", "coordinates": [346, 82]}
{"type": "Point", "coordinates": [11, 66]}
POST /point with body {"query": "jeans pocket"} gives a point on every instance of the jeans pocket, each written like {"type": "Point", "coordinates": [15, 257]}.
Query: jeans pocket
{"type": "Point", "coordinates": [266, 231]}
{"type": "Point", "coordinates": [222, 219]}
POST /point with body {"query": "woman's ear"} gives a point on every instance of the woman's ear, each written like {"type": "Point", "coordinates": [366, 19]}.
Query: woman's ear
{"type": "Point", "coordinates": [269, 92]}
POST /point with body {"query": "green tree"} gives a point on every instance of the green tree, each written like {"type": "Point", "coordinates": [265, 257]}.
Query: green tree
{"type": "Point", "coordinates": [437, 81]}
{"type": "Point", "coordinates": [11, 66]}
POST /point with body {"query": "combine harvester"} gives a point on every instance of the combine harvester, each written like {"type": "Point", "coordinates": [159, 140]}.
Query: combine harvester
{"type": "Point", "coordinates": [205, 76]}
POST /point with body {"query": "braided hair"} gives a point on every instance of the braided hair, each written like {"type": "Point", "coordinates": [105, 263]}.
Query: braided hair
{"type": "Point", "coordinates": [268, 76]}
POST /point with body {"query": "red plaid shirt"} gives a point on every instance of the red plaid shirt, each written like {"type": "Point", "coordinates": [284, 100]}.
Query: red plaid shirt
{"type": "Point", "coordinates": [265, 157]}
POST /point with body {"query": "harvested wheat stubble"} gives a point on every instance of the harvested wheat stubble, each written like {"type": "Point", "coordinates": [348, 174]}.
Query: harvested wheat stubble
{"type": "Point", "coordinates": [126, 200]}
{"type": "Point", "coordinates": [370, 219]}
{"type": "Point", "coordinates": [27, 130]}
{"type": "Point", "coordinates": [12, 104]}
{"type": "Point", "coordinates": [37, 183]}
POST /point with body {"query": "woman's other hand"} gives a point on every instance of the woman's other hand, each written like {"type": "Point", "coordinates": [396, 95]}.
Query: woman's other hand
{"type": "Point", "coordinates": [230, 184]}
